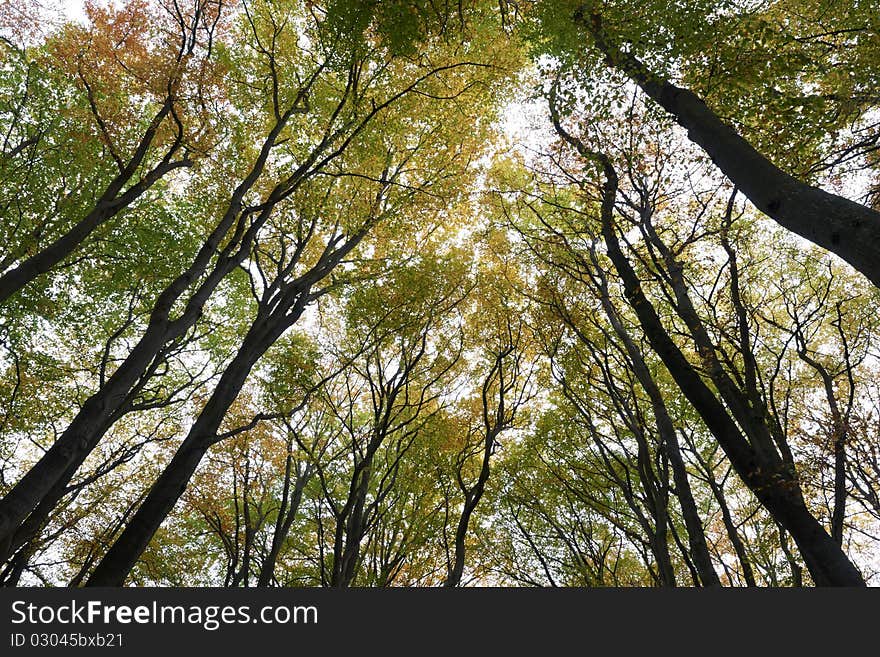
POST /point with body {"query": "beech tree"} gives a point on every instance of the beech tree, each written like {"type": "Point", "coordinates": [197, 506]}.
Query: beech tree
{"type": "Point", "coordinates": [140, 107]}
{"type": "Point", "coordinates": [835, 222]}
{"type": "Point", "coordinates": [349, 109]}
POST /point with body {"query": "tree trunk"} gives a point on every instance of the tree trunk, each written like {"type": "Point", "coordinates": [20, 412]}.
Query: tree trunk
{"type": "Point", "coordinates": [472, 499]}
{"type": "Point", "coordinates": [35, 522]}
{"type": "Point", "coordinates": [696, 534]}
{"type": "Point", "coordinates": [355, 528]}
{"type": "Point", "coordinates": [125, 551]}
{"type": "Point", "coordinates": [99, 411]}
{"type": "Point", "coordinates": [286, 516]}
{"type": "Point", "coordinates": [111, 202]}
{"type": "Point", "coordinates": [776, 488]}
{"type": "Point", "coordinates": [848, 229]}
{"type": "Point", "coordinates": [76, 442]}
{"type": "Point", "coordinates": [771, 482]}
{"type": "Point", "coordinates": [727, 518]}
{"type": "Point", "coordinates": [453, 577]}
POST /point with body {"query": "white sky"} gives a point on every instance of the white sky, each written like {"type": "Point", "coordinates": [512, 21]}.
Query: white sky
{"type": "Point", "coordinates": [73, 8]}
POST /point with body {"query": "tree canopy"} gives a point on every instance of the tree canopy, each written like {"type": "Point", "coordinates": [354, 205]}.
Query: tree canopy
{"type": "Point", "coordinates": [418, 293]}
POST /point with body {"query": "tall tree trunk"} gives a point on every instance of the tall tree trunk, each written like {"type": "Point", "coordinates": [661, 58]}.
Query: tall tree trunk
{"type": "Point", "coordinates": [97, 413]}
{"type": "Point", "coordinates": [775, 487]}
{"type": "Point", "coordinates": [290, 504]}
{"type": "Point", "coordinates": [35, 522]}
{"type": "Point", "coordinates": [125, 551]}
{"type": "Point", "coordinates": [770, 479]}
{"type": "Point", "coordinates": [660, 548]}
{"type": "Point", "coordinates": [345, 566]}
{"type": "Point", "coordinates": [839, 432]}
{"type": "Point", "coordinates": [797, 579]}
{"type": "Point", "coordinates": [471, 500]}
{"type": "Point", "coordinates": [282, 305]}
{"type": "Point", "coordinates": [727, 518]}
{"type": "Point", "coordinates": [65, 455]}
{"type": "Point", "coordinates": [846, 228]}
{"type": "Point", "coordinates": [696, 533]}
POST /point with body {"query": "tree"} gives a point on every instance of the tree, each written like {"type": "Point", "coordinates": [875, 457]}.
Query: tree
{"type": "Point", "coordinates": [842, 226]}
{"type": "Point", "coordinates": [761, 459]}
{"type": "Point", "coordinates": [162, 59]}
{"type": "Point", "coordinates": [505, 389]}
{"type": "Point", "coordinates": [349, 100]}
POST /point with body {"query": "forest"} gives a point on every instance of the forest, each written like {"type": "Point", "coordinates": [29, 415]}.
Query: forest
{"type": "Point", "coordinates": [422, 293]}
